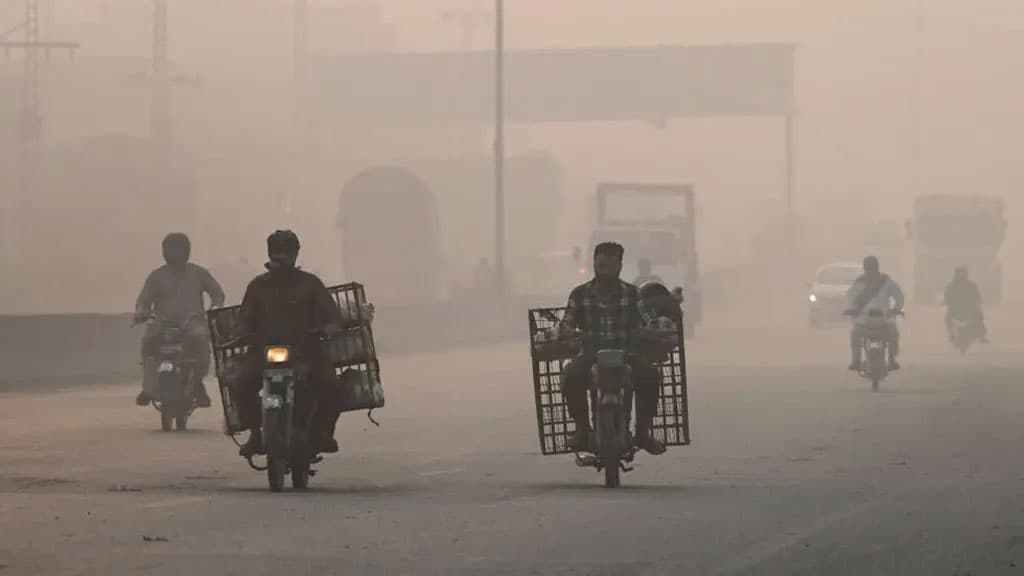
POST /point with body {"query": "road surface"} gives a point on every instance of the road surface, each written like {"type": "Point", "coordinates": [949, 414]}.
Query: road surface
{"type": "Point", "coordinates": [795, 468]}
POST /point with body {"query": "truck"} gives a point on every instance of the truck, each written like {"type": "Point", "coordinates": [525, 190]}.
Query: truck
{"type": "Point", "coordinates": [656, 223]}
{"type": "Point", "coordinates": [954, 230]}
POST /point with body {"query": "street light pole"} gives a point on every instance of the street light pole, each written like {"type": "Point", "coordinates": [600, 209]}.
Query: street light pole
{"type": "Point", "coordinates": [499, 146]}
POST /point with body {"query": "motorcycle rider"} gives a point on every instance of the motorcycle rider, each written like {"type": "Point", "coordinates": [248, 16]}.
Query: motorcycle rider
{"type": "Point", "coordinates": [175, 292]}
{"type": "Point", "coordinates": [605, 310]}
{"type": "Point", "coordinates": [286, 304]}
{"type": "Point", "coordinates": [874, 291]}
{"type": "Point", "coordinates": [644, 273]}
{"type": "Point", "coordinates": [963, 301]}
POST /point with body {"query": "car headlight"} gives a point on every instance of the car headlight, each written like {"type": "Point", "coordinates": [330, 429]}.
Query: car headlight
{"type": "Point", "coordinates": [278, 354]}
{"type": "Point", "coordinates": [813, 298]}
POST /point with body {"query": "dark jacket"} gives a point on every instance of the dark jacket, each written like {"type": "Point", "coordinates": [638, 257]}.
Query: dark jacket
{"type": "Point", "coordinates": [963, 296]}
{"type": "Point", "coordinates": [284, 306]}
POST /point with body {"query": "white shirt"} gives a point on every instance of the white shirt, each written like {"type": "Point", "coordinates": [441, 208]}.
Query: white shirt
{"type": "Point", "coordinates": [889, 297]}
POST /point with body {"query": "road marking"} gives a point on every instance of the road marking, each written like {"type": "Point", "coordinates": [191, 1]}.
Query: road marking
{"type": "Point", "coordinates": [174, 502]}
{"type": "Point", "coordinates": [441, 472]}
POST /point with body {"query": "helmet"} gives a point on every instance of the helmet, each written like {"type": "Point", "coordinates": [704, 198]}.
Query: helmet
{"type": "Point", "coordinates": [283, 248]}
{"type": "Point", "coordinates": [871, 264]}
{"type": "Point", "coordinates": [177, 248]}
{"type": "Point", "coordinates": [653, 289]}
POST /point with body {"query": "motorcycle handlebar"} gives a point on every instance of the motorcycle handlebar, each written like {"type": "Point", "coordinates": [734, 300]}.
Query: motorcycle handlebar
{"type": "Point", "coordinates": [889, 314]}
{"type": "Point", "coordinates": [322, 332]}
{"type": "Point", "coordinates": [153, 317]}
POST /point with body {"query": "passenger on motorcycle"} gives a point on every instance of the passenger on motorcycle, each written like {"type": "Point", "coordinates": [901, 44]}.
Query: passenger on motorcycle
{"type": "Point", "coordinates": [963, 302]}
{"type": "Point", "coordinates": [645, 273]}
{"type": "Point", "coordinates": [874, 291]}
{"type": "Point", "coordinates": [175, 292]}
{"type": "Point", "coordinates": [287, 304]}
{"type": "Point", "coordinates": [606, 310]}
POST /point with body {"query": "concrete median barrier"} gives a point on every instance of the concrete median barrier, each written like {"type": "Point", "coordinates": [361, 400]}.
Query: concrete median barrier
{"type": "Point", "coordinates": [44, 351]}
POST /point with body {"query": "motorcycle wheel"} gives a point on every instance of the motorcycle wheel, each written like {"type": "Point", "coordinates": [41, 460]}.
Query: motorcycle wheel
{"type": "Point", "coordinates": [609, 439]}
{"type": "Point", "coordinates": [876, 367]}
{"type": "Point", "coordinates": [300, 460]}
{"type": "Point", "coordinates": [277, 460]}
{"type": "Point", "coordinates": [166, 418]}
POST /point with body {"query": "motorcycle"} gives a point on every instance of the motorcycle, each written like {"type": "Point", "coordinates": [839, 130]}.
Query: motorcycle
{"type": "Point", "coordinates": [286, 395]}
{"type": "Point", "coordinates": [176, 371]}
{"type": "Point", "coordinates": [288, 406]}
{"type": "Point", "coordinates": [963, 335]}
{"type": "Point", "coordinates": [610, 393]}
{"type": "Point", "coordinates": [874, 363]}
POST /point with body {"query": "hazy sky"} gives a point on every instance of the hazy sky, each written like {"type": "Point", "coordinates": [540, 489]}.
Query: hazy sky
{"type": "Point", "coordinates": [896, 97]}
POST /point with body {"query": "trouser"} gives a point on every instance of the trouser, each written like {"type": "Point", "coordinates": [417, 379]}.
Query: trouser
{"type": "Point", "coordinates": [975, 321]}
{"type": "Point", "coordinates": [317, 399]}
{"type": "Point", "coordinates": [197, 347]}
{"type": "Point", "coordinates": [892, 333]}
{"type": "Point", "coordinates": [576, 380]}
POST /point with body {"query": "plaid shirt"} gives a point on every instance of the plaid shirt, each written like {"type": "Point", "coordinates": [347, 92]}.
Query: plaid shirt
{"type": "Point", "coordinates": [605, 324]}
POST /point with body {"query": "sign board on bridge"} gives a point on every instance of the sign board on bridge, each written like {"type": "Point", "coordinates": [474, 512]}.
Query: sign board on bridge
{"type": "Point", "coordinates": [569, 85]}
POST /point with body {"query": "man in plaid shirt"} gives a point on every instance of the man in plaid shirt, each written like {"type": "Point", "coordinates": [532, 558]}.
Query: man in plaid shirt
{"type": "Point", "coordinates": [606, 310]}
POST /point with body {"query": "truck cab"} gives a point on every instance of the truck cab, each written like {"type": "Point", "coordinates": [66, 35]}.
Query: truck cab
{"type": "Point", "coordinates": [656, 223]}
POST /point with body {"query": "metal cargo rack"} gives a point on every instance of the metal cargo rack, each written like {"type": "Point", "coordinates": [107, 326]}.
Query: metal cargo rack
{"type": "Point", "coordinates": [230, 364]}
{"type": "Point", "coordinates": [353, 351]}
{"type": "Point", "coordinates": [548, 357]}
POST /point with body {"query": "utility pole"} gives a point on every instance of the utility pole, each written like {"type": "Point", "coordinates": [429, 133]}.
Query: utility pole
{"type": "Point", "coordinates": [160, 113]}
{"type": "Point", "coordinates": [300, 72]}
{"type": "Point", "coordinates": [161, 127]}
{"type": "Point", "coordinates": [917, 40]}
{"type": "Point", "coordinates": [300, 42]}
{"type": "Point", "coordinates": [30, 118]}
{"type": "Point", "coordinates": [29, 126]}
{"type": "Point", "coordinates": [499, 146]}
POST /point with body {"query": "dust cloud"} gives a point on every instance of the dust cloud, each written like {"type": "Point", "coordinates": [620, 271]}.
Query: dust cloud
{"type": "Point", "coordinates": [895, 99]}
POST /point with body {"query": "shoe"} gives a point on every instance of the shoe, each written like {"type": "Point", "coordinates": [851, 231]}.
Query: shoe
{"type": "Point", "coordinates": [855, 367]}
{"type": "Point", "coordinates": [581, 439]}
{"type": "Point", "coordinates": [253, 446]}
{"type": "Point", "coordinates": [648, 443]}
{"type": "Point", "coordinates": [143, 399]}
{"type": "Point", "coordinates": [202, 398]}
{"type": "Point", "coordinates": [894, 365]}
{"type": "Point", "coordinates": [327, 446]}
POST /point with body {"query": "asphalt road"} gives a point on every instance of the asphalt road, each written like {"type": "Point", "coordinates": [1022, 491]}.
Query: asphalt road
{"type": "Point", "coordinates": [796, 468]}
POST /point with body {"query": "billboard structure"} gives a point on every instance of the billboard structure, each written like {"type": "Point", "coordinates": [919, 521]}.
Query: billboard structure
{"type": "Point", "coordinates": [606, 84]}
{"type": "Point", "coordinates": [568, 85]}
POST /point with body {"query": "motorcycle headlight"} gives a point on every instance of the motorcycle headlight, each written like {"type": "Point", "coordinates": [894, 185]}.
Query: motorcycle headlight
{"type": "Point", "coordinates": [278, 354]}
{"type": "Point", "coordinates": [813, 298]}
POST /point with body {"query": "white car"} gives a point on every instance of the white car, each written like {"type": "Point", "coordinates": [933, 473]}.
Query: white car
{"type": "Point", "coordinates": [827, 295]}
